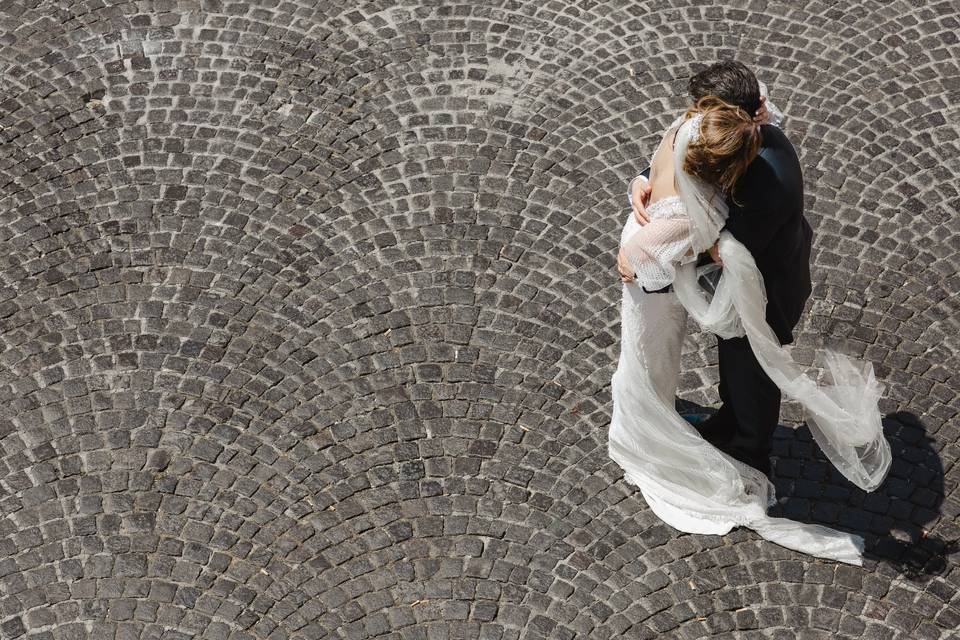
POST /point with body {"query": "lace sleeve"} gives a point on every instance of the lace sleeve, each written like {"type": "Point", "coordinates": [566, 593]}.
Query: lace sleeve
{"type": "Point", "coordinates": [775, 116]}
{"type": "Point", "coordinates": [654, 249]}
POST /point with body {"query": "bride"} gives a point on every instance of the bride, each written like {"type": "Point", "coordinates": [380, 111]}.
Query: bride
{"type": "Point", "coordinates": [686, 481]}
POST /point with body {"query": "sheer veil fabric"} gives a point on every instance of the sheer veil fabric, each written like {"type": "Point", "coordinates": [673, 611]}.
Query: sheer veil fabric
{"type": "Point", "coordinates": [686, 481]}
{"type": "Point", "coordinates": [843, 416]}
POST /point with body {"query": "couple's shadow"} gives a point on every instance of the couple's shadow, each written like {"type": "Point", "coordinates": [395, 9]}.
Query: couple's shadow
{"type": "Point", "coordinates": [893, 519]}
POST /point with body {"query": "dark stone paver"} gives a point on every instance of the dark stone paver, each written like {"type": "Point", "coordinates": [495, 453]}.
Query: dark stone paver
{"type": "Point", "coordinates": [309, 315]}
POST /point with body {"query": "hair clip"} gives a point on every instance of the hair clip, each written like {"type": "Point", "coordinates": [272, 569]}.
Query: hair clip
{"type": "Point", "coordinates": [695, 127]}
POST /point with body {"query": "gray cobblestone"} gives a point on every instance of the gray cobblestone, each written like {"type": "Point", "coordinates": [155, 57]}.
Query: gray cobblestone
{"type": "Point", "coordinates": [309, 315]}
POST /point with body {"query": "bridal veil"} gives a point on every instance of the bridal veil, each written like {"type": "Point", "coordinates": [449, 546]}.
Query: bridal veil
{"type": "Point", "coordinates": [686, 481]}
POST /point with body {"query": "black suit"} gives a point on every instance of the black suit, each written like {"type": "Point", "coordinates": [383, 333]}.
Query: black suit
{"type": "Point", "coordinates": [766, 215]}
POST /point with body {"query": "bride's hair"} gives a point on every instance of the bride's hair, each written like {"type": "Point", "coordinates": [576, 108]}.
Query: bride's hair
{"type": "Point", "coordinates": [728, 142]}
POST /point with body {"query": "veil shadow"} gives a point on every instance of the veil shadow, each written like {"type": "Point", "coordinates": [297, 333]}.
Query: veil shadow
{"type": "Point", "coordinates": [916, 479]}
{"type": "Point", "coordinates": [894, 519]}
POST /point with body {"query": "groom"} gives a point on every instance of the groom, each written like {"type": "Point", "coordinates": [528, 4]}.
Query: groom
{"type": "Point", "coordinates": [766, 216]}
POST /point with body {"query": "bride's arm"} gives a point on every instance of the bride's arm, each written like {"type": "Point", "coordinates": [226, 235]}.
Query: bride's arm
{"type": "Point", "coordinates": [639, 176]}
{"type": "Point", "coordinates": [654, 249]}
{"type": "Point", "coordinates": [772, 114]}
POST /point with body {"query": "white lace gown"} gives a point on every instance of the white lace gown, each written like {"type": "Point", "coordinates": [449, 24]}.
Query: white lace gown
{"type": "Point", "coordinates": [647, 437]}
{"type": "Point", "coordinates": [687, 482]}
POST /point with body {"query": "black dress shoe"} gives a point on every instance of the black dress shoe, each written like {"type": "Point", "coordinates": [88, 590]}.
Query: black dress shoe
{"type": "Point", "coordinates": [714, 432]}
{"type": "Point", "coordinates": [761, 464]}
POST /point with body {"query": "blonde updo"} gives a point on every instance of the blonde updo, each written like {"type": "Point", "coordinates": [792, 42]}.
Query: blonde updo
{"type": "Point", "coordinates": [727, 143]}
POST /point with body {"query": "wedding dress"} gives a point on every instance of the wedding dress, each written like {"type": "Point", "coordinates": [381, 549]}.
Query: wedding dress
{"type": "Point", "coordinates": [687, 482]}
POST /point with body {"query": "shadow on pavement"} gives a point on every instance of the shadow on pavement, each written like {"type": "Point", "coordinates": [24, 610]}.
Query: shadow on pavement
{"type": "Point", "coordinates": [913, 494]}
{"type": "Point", "coordinates": [893, 519]}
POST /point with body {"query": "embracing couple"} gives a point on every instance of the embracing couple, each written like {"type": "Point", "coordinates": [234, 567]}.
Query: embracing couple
{"type": "Point", "coordinates": [717, 233]}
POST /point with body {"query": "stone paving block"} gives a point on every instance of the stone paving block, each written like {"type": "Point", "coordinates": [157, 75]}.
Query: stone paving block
{"type": "Point", "coordinates": [309, 314]}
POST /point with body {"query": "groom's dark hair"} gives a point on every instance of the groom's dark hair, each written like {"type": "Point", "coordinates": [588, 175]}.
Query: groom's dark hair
{"type": "Point", "coordinates": [730, 81]}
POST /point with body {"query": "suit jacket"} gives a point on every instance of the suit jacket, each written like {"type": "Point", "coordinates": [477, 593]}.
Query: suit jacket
{"type": "Point", "coordinates": [766, 215]}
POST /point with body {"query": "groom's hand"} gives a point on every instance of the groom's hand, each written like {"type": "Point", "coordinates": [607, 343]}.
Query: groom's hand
{"type": "Point", "coordinates": [715, 253]}
{"type": "Point", "coordinates": [623, 266]}
{"type": "Point", "coordinates": [639, 197]}
{"type": "Point", "coordinates": [762, 116]}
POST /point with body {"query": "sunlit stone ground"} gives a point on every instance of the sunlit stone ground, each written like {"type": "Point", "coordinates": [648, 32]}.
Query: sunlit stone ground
{"type": "Point", "coordinates": [309, 314]}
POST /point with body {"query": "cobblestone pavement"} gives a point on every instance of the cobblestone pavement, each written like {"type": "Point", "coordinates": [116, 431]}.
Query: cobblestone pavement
{"type": "Point", "coordinates": [309, 315]}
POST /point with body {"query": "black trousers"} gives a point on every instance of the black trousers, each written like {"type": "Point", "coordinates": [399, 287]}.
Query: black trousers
{"type": "Point", "coordinates": [744, 425]}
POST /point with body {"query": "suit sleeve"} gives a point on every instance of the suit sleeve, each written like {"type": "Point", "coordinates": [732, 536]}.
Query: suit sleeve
{"type": "Point", "coordinates": [755, 226]}
{"type": "Point", "coordinates": [764, 211]}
